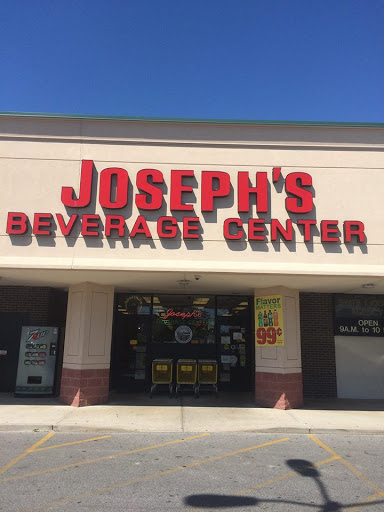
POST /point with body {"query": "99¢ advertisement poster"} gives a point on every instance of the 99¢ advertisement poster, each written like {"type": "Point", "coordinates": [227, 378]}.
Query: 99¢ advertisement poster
{"type": "Point", "coordinates": [269, 321]}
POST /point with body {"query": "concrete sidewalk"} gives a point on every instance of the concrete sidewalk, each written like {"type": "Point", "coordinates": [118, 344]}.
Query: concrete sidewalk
{"type": "Point", "coordinates": [228, 413]}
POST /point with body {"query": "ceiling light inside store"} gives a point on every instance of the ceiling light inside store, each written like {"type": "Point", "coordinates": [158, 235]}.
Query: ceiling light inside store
{"type": "Point", "coordinates": [201, 300]}
{"type": "Point", "coordinates": [368, 285]}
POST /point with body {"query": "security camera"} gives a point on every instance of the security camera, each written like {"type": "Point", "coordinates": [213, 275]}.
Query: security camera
{"type": "Point", "coordinates": [197, 277]}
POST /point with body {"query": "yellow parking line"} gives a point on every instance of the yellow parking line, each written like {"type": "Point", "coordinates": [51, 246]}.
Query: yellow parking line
{"type": "Point", "coordinates": [71, 443]}
{"type": "Point", "coordinates": [99, 459]}
{"type": "Point", "coordinates": [283, 477]}
{"type": "Point", "coordinates": [367, 501]}
{"type": "Point", "coordinates": [154, 475]}
{"type": "Point", "coordinates": [354, 470]}
{"type": "Point", "coordinates": [24, 454]}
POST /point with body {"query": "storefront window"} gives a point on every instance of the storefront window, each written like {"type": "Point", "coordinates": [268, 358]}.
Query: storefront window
{"type": "Point", "coordinates": [134, 304]}
{"type": "Point", "coordinates": [171, 326]}
{"type": "Point", "coordinates": [183, 319]}
{"type": "Point", "coordinates": [233, 325]}
{"type": "Point", "coordinates": [132, 329]}
{"type": "Point", "coordinates": [233, 305]}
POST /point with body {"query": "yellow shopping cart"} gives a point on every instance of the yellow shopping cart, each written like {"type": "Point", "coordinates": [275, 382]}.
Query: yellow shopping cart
{"type": "Point", "coordinates": [207, 375]}
{"type": "Point", "coordinates": [186, 374]}
{"type": "Point", "coordinates": [162, 374]}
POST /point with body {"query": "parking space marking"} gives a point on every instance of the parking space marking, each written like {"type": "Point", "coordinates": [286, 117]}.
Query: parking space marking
{"type": "Point", "coordinates": [71, 443]}
{"type": "Point", "coordinates": [99, 459]}
{"type": "Point", "coordinates": [152, 476]}
{"type": "Point", "coordinates": [283, 477]}
{"type": "Point", "coordinates": [354, 470]}
{"type": "Point", "coordinates": [367, 501]}
{"type": "Point", "coordinates": [24, 454]}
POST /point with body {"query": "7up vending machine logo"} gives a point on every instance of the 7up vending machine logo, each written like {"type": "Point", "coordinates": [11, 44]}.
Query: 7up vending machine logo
{"type": "Point", "coordinates": [35, 335]}
{"type": "Point", "coordinates": [269, 321]}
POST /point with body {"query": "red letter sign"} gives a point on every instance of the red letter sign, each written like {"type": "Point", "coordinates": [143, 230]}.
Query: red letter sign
{"type": "Point", "coordinates": [42, 220]}
{"type": "Point", "coordinates": [67, 193]}
{"type": "Point", "coordinates": [227, 231]}
{"type": "Point", "coordinates": [88, 223]}
{"type": "Point", "coordinates": [256, 226]}
{"type": "Point", "coordinates": [66, 228]}
{"type": "Point", "coordinates": [191, 227]}
{"type": "Point", "coordinates": [17, 220]}
{"type": "Point", "coordinates": [329, 227]}
{"type": "Point", "coordinates": [140, 227]}
{"type": "Point", "coordinates": [111, 225]}
{"type": "Point", "coordinates": [105, 191]}
{"type": "Point", "coordinates": [303, 200]}
{"type": "Point", "coordinates": [207, 191]}
{"type": "Point", "coordinates": [155, 193]}
{"type": "Point", "coordinates": [285, 233]}
{"type": "Point", "coordinates": [177, 189]}
{"type": "Point", "coordinates": [167, 227]}
{"type": "Point", "coordinates": [307, 223]}
{"type": "Point", "coordinates": [244, 191]}
{"type": "Point", "coordinates": [354, 228]}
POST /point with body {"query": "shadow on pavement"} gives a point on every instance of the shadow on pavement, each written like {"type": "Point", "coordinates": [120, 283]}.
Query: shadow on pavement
{"type": "Point", "coordinates": [344, 404]}
{"type": "Point", "coordinates": [303, 468]}
{"type": "Point", "coordinates": [219, 501]}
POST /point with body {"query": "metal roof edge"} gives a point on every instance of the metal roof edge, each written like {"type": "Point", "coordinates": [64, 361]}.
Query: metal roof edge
{"type": "Point", "coordinates": [192, 120]}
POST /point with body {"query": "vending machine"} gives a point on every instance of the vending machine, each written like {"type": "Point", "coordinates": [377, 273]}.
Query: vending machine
{"type": "Point", "coordinates": [37, 361]}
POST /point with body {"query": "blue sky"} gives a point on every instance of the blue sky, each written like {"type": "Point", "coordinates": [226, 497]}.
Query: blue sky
{"type": "Point", "coordinates": [319, 60]}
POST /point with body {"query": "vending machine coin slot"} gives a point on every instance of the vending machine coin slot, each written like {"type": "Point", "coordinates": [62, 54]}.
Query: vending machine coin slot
{"type": "Point", "coordinates": [34, 380]}
{"type": "Point", "coordinates": [52, 349]}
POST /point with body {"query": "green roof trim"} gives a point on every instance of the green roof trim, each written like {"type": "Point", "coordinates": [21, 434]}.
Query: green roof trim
{"type": "Point", "coordinates": [191, 120]}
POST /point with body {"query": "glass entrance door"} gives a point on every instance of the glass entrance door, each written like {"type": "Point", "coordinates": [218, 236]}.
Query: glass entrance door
{"type": "Point", "coordinates": [182, 327]}
{"type": "Point", "coordinates": [132, 329]}
{"type": "Point", "coordinates": [234, 333]}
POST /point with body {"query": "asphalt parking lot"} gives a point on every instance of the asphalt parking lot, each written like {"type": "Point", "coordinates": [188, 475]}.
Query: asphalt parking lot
{"type": "Point", "coordinates": [162, 472]}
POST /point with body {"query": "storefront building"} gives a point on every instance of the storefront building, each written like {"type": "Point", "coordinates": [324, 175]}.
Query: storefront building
{"type": "Point", "coordinates": [255, 244]}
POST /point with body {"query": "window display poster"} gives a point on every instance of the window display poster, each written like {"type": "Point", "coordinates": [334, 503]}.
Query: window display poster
{"type": "Point", "coordinates": [224, 329]}
{"type": "Point", "coordinates": [359, 315]}
{"type": "Point", "coordinates": [269, 321]}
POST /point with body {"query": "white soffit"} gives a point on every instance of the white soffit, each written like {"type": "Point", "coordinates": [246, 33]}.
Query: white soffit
{"type": "Point", "coordinates": [166, 282]}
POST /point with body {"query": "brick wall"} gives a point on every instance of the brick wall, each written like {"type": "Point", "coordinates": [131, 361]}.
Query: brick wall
{"type": "Point", "coordinates": [44, 305]}
{"type": "Point", "coordinates": [37, 306]}
{"type": "Point", "coordinates": [317, 345]}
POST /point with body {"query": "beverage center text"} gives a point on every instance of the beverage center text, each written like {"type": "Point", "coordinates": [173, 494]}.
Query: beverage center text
{"type": "Point", "coordinates": [252, 196]}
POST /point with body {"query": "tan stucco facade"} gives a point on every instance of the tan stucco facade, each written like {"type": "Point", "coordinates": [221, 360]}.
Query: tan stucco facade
{"type": "Point", "coordinates": [40, 155]}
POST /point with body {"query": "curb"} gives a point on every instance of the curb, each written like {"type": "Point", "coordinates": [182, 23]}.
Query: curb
{"type": "Point", "coordinates": [127, 430]}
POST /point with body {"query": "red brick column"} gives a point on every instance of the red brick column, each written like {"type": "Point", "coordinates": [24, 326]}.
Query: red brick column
{"type": "Point", "coordinates": [279, 390]}
{"type": "Point", "coordinates": [84, 387]}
